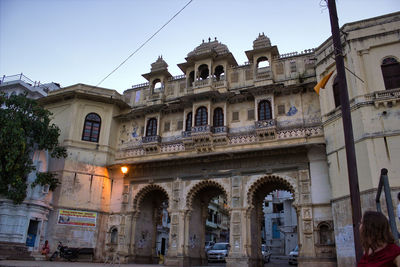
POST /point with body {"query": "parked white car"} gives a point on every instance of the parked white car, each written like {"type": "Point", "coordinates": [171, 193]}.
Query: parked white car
{"type": "Point", "coordinates": [218, 252]}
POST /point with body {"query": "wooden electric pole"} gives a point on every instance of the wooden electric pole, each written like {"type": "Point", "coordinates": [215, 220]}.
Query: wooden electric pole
{"type": "Point", "coordinates": [348, 129]}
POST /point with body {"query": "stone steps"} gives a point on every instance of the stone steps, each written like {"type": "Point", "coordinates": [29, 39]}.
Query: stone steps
{"type": "Point", "coordinates": [14, 251]}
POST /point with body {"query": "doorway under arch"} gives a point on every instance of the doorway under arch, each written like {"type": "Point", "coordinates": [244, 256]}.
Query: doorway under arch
{"type": "Point", "coordinates": [257, 197]}
{"type": "Point", "coordinates": [208, 220]}
{"type": "Point", "coordinates": [151, 204]}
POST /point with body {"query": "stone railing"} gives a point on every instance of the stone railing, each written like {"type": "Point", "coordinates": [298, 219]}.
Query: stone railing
{"type": "Point", "coordinates": [151, 139]}
{"type": "Point", "coordinates": [231, 140]}
{"type": "Point", "coordinates": [140, 85]}
{"type": "Point", "coordinates": [263, 75]}
{"type": "Point", "coordinates": [265, 124]}
{"type": "Point", "coordinates": [202, 83]}
{"type": "Point", "coordinates": [219, 129]}
{"type": "Point", "coordinates": [201, 129]}
{"type": "Point", "coordinates": [186, 134]}
{"type": "Point", "coordinates": [383, 95]}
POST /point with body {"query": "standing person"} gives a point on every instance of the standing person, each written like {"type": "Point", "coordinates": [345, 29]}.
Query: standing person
{"type": "Point", "coordinates": [46, 249]}
{"type": "Point", "coordinates": [377, 242]}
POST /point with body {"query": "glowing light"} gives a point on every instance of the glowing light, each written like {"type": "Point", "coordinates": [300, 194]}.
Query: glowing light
{"type": "Point", "coordinates": [124, 169]}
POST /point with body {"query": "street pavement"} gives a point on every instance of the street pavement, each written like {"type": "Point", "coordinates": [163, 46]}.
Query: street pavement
{"type": "Point", "coordinates": [12, 263]}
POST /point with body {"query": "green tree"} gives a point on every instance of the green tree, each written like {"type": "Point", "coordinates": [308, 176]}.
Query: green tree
{"type": "Point", "coordinates": [24, 127]}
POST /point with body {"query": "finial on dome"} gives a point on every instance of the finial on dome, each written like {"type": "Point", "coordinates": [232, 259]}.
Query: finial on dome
{"type": "Point", "coordinates": [209, 39]}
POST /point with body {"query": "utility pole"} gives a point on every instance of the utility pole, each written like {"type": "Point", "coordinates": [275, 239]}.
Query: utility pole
{"type": "Point", "coordinates": [348, 129]}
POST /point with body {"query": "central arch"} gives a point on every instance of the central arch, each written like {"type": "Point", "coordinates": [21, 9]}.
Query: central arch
{"type": "Point", "coordinates": [150, 205]}
{"type": "Point", "coordinates": [256, 195]}
{"type": "Point", "coordinates": [198, 204]}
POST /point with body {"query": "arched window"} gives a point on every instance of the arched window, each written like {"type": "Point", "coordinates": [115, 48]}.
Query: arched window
{"type": "Point", "coordinates": [151, 129]}
{"type": "Point", "coordinates": [157, 85]}
{"type": "Point", "coordinates": [191, 79]}
{"type": "Point", "coordinates": [391, 73]}
{"type": "Point", "coordinates": [188, 127]}
{"type": "Point", "coordinates": [219, 72]}
{"type": "Point", "coordinates": [201, 116]}
{"type": "Point", "coordinates": [114, 236]}
{"type": "Point", "coordinates": [91, 129]}
{"type": "Point", "coordinates": [264, 110]}
{"type": "Point", "coordinates": [325, 234]}
{"type": "Point", "coordinates": [336, 92]}
{"type": "Point", "coordinates": [218, 119]}
{"type": "Point", "coordinates": [203, 72]}
{"type": "Point", "coordinates": [262, 62]}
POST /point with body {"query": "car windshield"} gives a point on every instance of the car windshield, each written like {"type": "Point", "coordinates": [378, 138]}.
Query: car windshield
{"type": "Point", "coordinates": [220, 246]}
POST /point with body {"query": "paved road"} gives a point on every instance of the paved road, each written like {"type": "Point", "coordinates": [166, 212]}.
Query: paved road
{"type": "Point", "coordinates": [9, 263]}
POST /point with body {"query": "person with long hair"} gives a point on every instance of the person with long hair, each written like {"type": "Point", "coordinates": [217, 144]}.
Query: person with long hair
{"type": "Point", "coordinates": [378, 242]}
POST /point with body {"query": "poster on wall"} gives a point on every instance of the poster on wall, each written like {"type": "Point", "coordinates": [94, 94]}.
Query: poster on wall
{"type": "Point", "coordinates": [77, 218]}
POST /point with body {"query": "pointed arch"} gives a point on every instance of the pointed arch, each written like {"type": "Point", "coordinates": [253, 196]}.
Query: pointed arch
{"type": "Point", "coordinates": [202, 185]}
{"type": "Point", "coordinates": [274, 182]}
{"type": "Point", "coordinates": [137, 201]}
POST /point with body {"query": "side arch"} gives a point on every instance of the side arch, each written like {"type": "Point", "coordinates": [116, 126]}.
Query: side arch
{"type": "Point", "coordinates": [192, 192]}
{"type": "Point", "coordinates": [277, 182]}
{"type": "Point", "coordinates": [137, 201]}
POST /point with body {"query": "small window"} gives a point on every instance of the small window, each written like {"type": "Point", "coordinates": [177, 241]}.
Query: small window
{"type": "Point", "coordinates": [219, 72]}
{"type": "Point", "coordinates": [262, 62]}
{"type": "Point", "coordinates": [151, 129]}
{"type": "Point", "coordinates": [235, 116]}
{"type": "Point", "coordinates": [234, 77]}
{"type": "Point", "coordinates": [188, 126]}
{"type": "Point", "coordinates": [179, 125]}
{"type": "Point", "coordinates": [201, 116]}
{"type": "Point", "coordinates": [218, 119]}
{"type": "Point", "coordinates": [167, 125]}
{"type": "Point", "coordinates": [114, 236]}
{"type": "Point", "coordinates": [391, 73]}
{"type": "Point", "coordinates": [281, 109]}
{"type": "Point", "coordinates": [91, 129]}
{"type": "Point", "coordinates": [293, 67]}
{"type": "Point", "coordinates": [279, 68]}
{"type": "Point", "coordinates": [203, 72]}
{"type": "Point", "coordinates": [137, 96]}
{"type": "Point", "coordinates": [250, 114]}
{"type": "Point", "coordinates": [264, 110]}
{"type": "Point", "coordinates": [336, 92]}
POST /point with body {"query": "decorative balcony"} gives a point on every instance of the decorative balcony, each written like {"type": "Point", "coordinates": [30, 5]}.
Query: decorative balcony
{"type": "Point", "coordinates": [151, 144]}
{"type": "Point", "coordinates": [187, 140]}
{"type": "Point", "coordinates": [202, 83]}
{"type": "Point", "coordinates": [265, 130]}
{"type": "Point", "coordinates": [220, 135]}
{"type": "Point", "coordinates": [202, 138]}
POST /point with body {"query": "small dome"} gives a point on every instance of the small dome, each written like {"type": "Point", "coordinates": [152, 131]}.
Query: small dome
{"type": "Point", "coordinates": [160, 64]}
{"type": "Point", "coordinates": [210, 46]}
{"type": "Point", "coordinates": [261, 42]}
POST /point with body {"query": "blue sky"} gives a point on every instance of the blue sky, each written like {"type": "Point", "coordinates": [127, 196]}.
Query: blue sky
{"type": "Point", "coordinates": [82, 41]}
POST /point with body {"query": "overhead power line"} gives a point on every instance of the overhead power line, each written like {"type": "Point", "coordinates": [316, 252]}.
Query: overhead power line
{"type": "Point", "coordinates": [151, 37]}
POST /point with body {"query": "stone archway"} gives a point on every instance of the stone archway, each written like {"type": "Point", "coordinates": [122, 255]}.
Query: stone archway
{"type": "Point", "coordinates": [197, 201]}
{"type": "Point", "coordinates": [147, 207]}
{"type": "Point", "coordinates": [256, 194]}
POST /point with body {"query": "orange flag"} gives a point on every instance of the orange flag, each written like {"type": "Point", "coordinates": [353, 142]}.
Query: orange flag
{"type": "Point", "coordinates": [322, 82]}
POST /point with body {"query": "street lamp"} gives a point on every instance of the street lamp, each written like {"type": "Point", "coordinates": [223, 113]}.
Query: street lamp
{"type": "Point", "coordinates": [124, 170]}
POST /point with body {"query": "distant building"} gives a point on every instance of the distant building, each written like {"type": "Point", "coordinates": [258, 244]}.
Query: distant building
{"type": "Point", "coordinates": [280, 223]}
{"type": "Point", "coordinates": [27, 223]}
{"type": "Point", "coordinates": [20, 84]}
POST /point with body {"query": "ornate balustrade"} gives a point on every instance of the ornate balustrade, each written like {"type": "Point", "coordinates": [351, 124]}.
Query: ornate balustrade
{"type": "Point", "coordinates": [201, 83]}
{"type": "Point", "coordinates": [265, 124]}
{"type": "Point", "coordinates": [151, 139]}
{"type": "Point", "coordinates": [201, 129]}
{"type": "Point", "coordinates": [219, 129]}
{"type": "Point", "coordinates": [264, 75]}
{"type": "Point", "coordinates": [186, 134]}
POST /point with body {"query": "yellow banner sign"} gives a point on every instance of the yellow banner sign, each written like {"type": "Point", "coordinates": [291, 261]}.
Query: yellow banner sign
{"type": "Point", "coordinates": [77, 218]}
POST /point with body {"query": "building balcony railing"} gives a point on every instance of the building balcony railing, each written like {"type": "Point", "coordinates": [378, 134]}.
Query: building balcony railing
{"type": "Point", "coordinates": [151, 139]}
{"type": "Point", "coordinates": [201, 129]}
{"type": "Point", "coordinates": [186, 134]}
{"type": "Point", "coordinates": [219, 129]}
{"type": "Point", "coordinates": [201, 83]}
{"type": "Point", "coordinates": [264, 75]}
{"type": "Point", "coordinates": [265, 124]}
